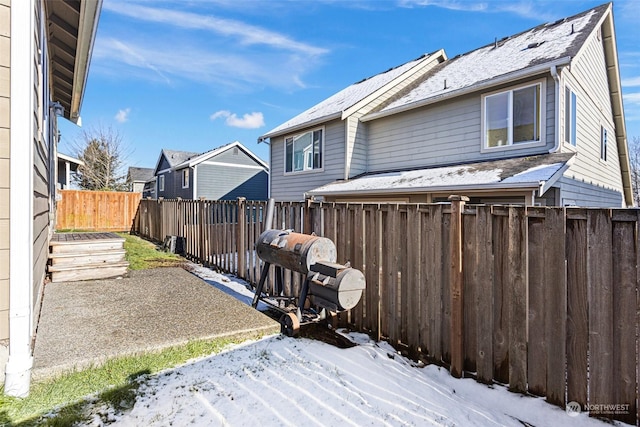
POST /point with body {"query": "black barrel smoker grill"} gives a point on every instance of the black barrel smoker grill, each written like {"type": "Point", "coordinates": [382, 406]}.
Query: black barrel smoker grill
{"type": "Point", "coordinates": [328, 287]}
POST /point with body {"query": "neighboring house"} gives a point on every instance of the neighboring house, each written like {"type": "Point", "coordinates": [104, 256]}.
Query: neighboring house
{"type": "Point", "coordinates": [67, 166]}
{"type": "Point", "coordinates": [225, 173]}
{"type": "Point", "coordinates": [45, 49]}
{"type": "Point", "coordinates": [138, 177]}
{"type": "Point", "coordinates": [149, 189]}
{"type": "Point", "coordinates": [548, 99]}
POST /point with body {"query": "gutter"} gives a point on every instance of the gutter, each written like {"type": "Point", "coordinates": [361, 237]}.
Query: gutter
{"type": "Point", "coordinates": [516, 75]}
{"type": "Point", "coordinates": [300, 126]}
{"type": "Point", "coordinates": [536, 185]}
{"type": "Point", "coordinates": [556, 144]}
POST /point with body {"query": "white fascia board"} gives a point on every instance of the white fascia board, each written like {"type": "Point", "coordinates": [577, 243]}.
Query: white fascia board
{"type": "Point", "coordinates": [426, 62]}
{"type": "Point", "coordinates": [302, 126]}
{"type": "Point", "coordinates": [155, 170]}
{"type": "Point", "coordinates": [513, 76]}
{"type": "Point", "coordinates": [545, 185]}
{"type": "Point", "coordinates": [70, 159]}
{"type": "Point", "coordinates": [434, 189]}
{"type": "Point", "coordinates": [233, 165]}
{"type": "Point", "coordinates": [204, 157]}
{"type": "Point", "coordinates": [18, 368]}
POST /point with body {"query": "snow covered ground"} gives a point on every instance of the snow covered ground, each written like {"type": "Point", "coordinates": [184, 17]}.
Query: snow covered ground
{"type": "Point", "coordinates": [281, 381]}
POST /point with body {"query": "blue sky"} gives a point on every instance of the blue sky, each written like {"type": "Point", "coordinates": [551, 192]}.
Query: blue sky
{"type": "Point", "coordinates": [193, 75]}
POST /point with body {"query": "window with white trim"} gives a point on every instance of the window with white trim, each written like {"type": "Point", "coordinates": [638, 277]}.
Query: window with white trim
{"type": "Point", "coordinates": [161, 183]}
{"type": "Point", "coordinates": [603, 143]}
{"type": "Point", "coordinates": [303, 152]}
{"type": "Point", "coordinates": [570, 110]}
{"type": "Point", "coordinates": [185, 178]}
{"type": "Point", "coordinates": [512, 117]}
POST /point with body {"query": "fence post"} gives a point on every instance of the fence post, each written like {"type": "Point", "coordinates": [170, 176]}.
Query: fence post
{"type": "Point", "coordinates": [241, 237]}
{"type": "Point", "coordinates": [456, 282]}
{"type": "Point", "coordinates": [308, 221]}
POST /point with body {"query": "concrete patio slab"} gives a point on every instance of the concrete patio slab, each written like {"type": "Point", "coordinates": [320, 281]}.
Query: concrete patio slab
{"type": "Point", "coordinates": [86, 323]}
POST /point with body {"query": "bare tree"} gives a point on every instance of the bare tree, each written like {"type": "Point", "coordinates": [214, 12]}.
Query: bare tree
{"type": "Point", "coordinates": [634, 160]}
{"type": "Point", "coordinates": [103, 153]}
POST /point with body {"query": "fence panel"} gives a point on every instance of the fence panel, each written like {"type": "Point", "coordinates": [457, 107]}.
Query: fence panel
{"type": "Point", "coordinates": [545, 309]}
{"type": "Point", "coordinates": [96, 210]}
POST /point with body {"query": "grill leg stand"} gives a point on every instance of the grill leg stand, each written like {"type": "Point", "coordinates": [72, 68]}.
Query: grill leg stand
{"type": "Point", "coordinates": [279, 273]}
{"type": "Point", "coordinates": [263, 277]}
{"type": "Point", "coordinates": [303, 296]}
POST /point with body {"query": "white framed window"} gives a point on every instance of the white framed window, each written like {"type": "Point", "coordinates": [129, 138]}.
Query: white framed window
{"type": "Point", "coordinates": [570, 111]}
{"type": "Point", "coordinates": [513, 117]}
{"type": "Point", "coordinates": [185, 178]}
{"type": "Point", "coordinates": [161, 183]}
{"type": "Point", "coordinates": [603, 143]}
{"type": "Point", "coordinates": [303, 152]}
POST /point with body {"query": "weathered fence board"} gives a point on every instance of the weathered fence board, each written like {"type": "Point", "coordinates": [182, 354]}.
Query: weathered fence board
{"type": "Point", "coordinates": [549, 295]}
{"type": "Point", "coordinates": [601, 307]}
{"type": "Point", "coordinates": [537, 346]}
{"type": "Point", "coordinates": [577, 311]}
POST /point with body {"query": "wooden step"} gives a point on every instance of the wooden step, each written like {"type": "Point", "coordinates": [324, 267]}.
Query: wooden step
{"type": "Point", "coordinates": [84, 247]}
{"type": "Point", "coordinates": [87, 271]}
{"type": "Point", "coordinates": [104, 257]}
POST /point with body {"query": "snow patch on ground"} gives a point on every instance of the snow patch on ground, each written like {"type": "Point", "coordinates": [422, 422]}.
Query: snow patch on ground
{"type": "Point", "coordinates": [279, 381]}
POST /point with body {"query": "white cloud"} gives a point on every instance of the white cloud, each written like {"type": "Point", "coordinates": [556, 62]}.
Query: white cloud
{"type": "Point", "coordinates": [631, 82]}
{"type": "Point", "coordinates": [253, 120]}
{"type": "Point", "coordinates": [122, 115]}
{"type": "Point", "coordinates": [632, 98]}
{"type": "Point", "coordinates": [472, 6]}
{"type": "Point", "coordinates": [525, 9]}
{"type": "Point", "coordinates": [172, 63]}
{"type": "Point", "coordinates": [246, 33]}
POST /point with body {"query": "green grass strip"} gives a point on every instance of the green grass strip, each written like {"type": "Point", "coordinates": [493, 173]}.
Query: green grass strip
{"type": "Point", "coordinates": [142, 254]}
{"type": "Point", "coordinates": [115, 383]}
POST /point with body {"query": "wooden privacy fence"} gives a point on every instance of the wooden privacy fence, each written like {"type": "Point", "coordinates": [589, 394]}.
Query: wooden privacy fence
{"type": "Point", "coordinates": [96, 210]}
{"type": "Point", "coordinates": [544, 300]}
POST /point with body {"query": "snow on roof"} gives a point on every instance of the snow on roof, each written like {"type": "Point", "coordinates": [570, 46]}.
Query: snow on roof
{"type": "Point", "coordinates": [539, 45]}
{"type": "Point", "coordinates": [519, 172]}
{"type": "Point", "coordinates": [346, 98]}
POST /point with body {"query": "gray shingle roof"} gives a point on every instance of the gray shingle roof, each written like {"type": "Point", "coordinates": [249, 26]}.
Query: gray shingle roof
{"type": "Point", "coordinates": [540, 45]}
{"type": "Point", "coordinates": [521, 172]}
{"type": "Point", "coordinates": [346, 98]}
{"type": "Point", "coordinates": [176, 157]}
{"type": "Point", "coordinates": [140, 174]}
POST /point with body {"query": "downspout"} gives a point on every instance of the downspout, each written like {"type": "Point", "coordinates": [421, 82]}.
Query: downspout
{"type": "Point", "coordinates": [18, 368]}
{"type": "Point", "coordinates": [556, 78]}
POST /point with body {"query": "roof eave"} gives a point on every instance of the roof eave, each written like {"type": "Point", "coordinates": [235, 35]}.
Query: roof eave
{"type": "Point", "coordinates": [615, 89]}
{"type": "Point", "coordinates": [533, 185]}
{"type": "Point", "coordinates": [301, 126]}
{"type": "Point", "coordinates": [88, 25]}
{"type": "Point", "coordinates": [506, 78]}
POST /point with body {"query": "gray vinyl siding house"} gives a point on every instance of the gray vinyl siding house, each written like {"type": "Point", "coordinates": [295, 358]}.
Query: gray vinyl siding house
{"type": "Point", "coordinates": [225, 173]}
{"type": "Point", "coordinates": [45, 51]}
{"type": "Point", "coordinates": [546, 101]}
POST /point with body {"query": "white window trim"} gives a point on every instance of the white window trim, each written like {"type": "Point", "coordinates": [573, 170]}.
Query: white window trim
{"type": "Point", "coordinates": [520, 145]}
{"type": "Point", "coordinates": [604, 142]}
{"type": "Point", "coordinates": [571, 119]}
{"type": "Point", "coordinates": [284, 152]}
{"type": "Point", "coordinates": [160, 183]}
{"type": "Point", "coordinates": [185, 174]}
